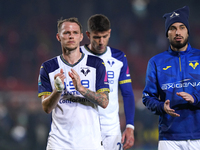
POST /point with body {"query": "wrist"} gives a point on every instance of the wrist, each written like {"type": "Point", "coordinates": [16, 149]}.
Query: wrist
{"type": "Point", "coordinates": [130, 126]}
{"type": "Point", "coordinates": [81, 89]}
{"type": "Point", "coordinates": [59, 86]}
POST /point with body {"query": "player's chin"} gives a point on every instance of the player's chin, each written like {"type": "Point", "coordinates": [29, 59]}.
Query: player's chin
{"type": "Point", "coordinates": [70, 48]}
{"type": "Point", "coordinates": [101, 49]}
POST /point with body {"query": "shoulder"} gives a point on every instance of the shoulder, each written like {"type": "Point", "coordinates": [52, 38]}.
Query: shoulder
{"type": "Point", "coordinates": [51, 64]}
{"type": "Point", "coordinates": [116, 53]}
{"type": "Point", "coordinates": [95, 62]}
{"type": "Point", "coordinates": [196, 51]}
{"type": "Point", "coordinates": [82, 48]}
{"type": "Point", "coordinates": [160, 56]}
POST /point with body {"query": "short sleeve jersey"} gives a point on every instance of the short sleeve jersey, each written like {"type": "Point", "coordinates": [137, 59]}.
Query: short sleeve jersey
{"type": "Point", "coordinates": [118, 73]}
{"type": "Point", "coordinates": [75, 120]}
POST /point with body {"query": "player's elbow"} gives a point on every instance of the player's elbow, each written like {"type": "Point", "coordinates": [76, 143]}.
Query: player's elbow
{"type": "Point", "coordinates": [47, 110]}
{"type": "Point", "coordinates": [105, 101]}
{"type": "Point", "coordinates": [104, 106]}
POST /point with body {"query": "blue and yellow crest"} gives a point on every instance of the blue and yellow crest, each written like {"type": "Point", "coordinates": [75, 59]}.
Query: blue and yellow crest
{"type": "Point", "coordinates": [193, 64]}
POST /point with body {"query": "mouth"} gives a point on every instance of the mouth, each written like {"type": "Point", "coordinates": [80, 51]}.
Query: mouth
{"type": "Point", "coordinates": [178, 38]}
{"type": "Point", "coordinates": [70, 42]}
{"type": "Point", "coordinates": [101, 47]}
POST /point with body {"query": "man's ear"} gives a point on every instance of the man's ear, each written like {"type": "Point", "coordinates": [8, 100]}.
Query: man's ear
{"type": "Point", "coordinates": [58, 37]}
{"type": "Point", "coordinates": [88, 34]}
{"type": "Point", "coordinates": [109, 32]}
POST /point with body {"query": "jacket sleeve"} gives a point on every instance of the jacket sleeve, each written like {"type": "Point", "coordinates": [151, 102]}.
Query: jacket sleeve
{"type": "Point", "coordinates": [150, 96]}
{"type": "Point", "coordinates": [196, 97]}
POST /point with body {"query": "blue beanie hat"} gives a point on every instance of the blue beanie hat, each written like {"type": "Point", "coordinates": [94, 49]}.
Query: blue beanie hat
{"type": "Point", "coordinates": [179, 15]}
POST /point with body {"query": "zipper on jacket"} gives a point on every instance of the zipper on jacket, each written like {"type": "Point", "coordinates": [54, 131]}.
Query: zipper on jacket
{"type": "Point", "coordinates": [179, 61]}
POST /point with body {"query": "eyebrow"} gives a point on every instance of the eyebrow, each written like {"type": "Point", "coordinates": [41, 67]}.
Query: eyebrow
{"type": "Point", "coordinates": [176, 26]}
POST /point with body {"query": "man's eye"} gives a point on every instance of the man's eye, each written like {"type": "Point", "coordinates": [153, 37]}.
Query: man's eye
{"type": "Point", "coordinates": [182, 27]}
{"type": "Point", "coordinates": [172, 28]}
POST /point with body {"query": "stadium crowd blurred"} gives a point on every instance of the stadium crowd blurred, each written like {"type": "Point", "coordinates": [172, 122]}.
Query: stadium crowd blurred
{"type": "Point", "coordinates": [28, 38]}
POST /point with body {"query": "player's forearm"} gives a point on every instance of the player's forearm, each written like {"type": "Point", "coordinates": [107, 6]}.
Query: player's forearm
{"type": "Point", "coordinates": [49, 102]}
{"type": "Point", "coordinates": [100, 99]}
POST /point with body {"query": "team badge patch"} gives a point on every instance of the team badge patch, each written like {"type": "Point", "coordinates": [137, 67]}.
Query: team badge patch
{"type": "Point", "coordinates": [85, 71]}
{"type": "Point", "coordinates": [193, 64]}
{"type": "Point", "coordinates": [111, 62]}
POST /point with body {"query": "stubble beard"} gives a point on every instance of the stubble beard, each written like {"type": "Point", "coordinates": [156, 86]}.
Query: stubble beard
{"type": "Point", "coordinates": [70, 49]}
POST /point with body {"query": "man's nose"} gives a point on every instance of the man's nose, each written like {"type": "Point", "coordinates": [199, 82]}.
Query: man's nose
{"type": "Point", "coordinates": [101, 40]}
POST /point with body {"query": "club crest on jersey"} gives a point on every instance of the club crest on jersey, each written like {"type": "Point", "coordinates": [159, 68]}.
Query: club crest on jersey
{"type": "Point", "coordinates": [85, 71]}
{"type": "Point", "coordinates": [193, 64]}
{"type": "Point", "coordinates": [111, 62]}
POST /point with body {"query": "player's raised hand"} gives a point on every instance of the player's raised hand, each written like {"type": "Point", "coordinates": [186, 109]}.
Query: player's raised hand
{"type": "Point", "coordinates": [186, 96]}
{"type": "Point", "coordinates": [168, 110]}
{"type": "Point", "coordinates": [61, 75]}
{"type": "Point", "coordinates": [75, 79]}
{"type": "Point", "coordinates": [59, 81]}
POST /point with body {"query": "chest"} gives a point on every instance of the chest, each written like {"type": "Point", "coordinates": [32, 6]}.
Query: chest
{"type": "Point", "coordinates": [113, 68]}
{"type": "Point", "coordinates": [179, 72]}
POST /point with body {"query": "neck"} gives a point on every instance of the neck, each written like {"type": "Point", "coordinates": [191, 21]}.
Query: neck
{"type": "Point", "coordinates": [90, 47]}
{"type": "Point", "coordinates": [72, 56]}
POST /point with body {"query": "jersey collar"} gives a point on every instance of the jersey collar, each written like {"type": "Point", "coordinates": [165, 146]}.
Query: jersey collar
{"type": "Point", "coordinates": [82, 56]}
{"type": "Point", "coordinates": [87, 48]}
{"type": "Point", "coordinates": [181, 52]}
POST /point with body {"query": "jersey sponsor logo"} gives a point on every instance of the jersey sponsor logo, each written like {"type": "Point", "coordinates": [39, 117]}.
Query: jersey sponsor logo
{"type": "Point", "coordinates": [111, 62]}
{"type": "Point", "coordinates": [180, 84]}
{"type": "Point", "coordinates": [111, 76]}
{"type": "Point", "coordinates": [167, 67]}
{"type": "Point", "coordinates": [85, 71]}
{"type": "Point", "coordinates": [68, 97]}
{"type": "Point", "coordinates": [193, 64]}
{"type": "Point", "coordinates": [66, 93]}
{"type": "Point", "coordinates": [73, 100]}
{"type": "Point", "coordinates": [145, 94]}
